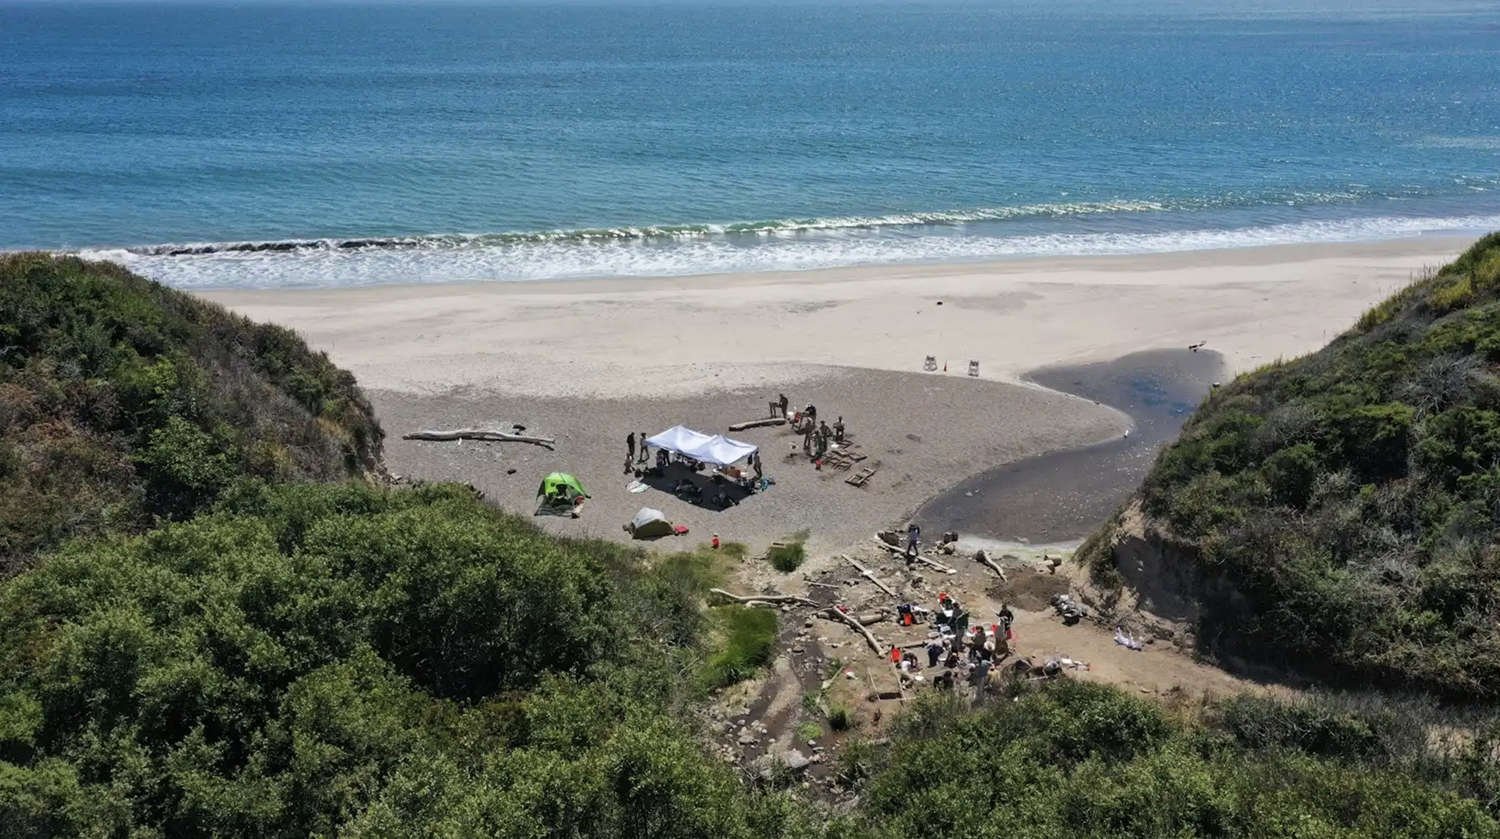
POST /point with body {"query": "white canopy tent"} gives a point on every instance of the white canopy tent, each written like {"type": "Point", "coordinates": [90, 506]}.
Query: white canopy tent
{"type": "Point", "coordinates": [717, 449]}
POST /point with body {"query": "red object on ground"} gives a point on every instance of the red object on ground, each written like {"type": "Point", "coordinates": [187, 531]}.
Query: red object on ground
{"type": "Point", "coordinates": [895, 655]}
{"type": "Point", "coordinates": [716, 542]}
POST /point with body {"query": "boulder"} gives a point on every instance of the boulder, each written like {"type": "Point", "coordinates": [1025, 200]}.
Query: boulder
{"type": "Point", "coordinates": [792, 760]}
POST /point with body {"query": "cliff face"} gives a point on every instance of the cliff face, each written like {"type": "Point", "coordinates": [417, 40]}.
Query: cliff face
{"type": "Point", "coordinates": [123, 401]}
{"type": "Point", "coordinates": [1339, 513]}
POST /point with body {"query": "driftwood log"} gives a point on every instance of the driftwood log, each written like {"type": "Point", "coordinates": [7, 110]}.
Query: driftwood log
{"type": "Point", "coordinates": [769, 599]}
{"type": "Point", "coordinates": [984, 559]}
{"type": "Point", "coordinates": [858, 627]}
{"type": "Point", "coordinates": [870, 575]}
{"type": "Point", "coordinates": [896, 549]}
{"type": "Point", "coordinates": [760, 423]}
{"type": "Point", "coordinates": [488, 435]}
{"type": "Point", "coordinates": [935, 564]}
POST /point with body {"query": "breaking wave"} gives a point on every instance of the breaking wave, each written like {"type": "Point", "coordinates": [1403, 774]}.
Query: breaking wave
{"type": "Point", "coordinates": [660, 232]}
{"type": "Point", "coordinates": [754, 246]}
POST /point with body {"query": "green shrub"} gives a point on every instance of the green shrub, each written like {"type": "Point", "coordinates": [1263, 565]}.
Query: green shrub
{"type": "Point", "coordinates": [122, 400]}
{"type": "Point", "coordinates": [787, 558]}
{"type": "Point", "coordinates": [1081, 760]}
{"type": "Point", "coordinates": [840, 718]}
{"type": "Point", "coordinates": [749, 639]}
{"type": "Point", "coordinates": [314, 660]}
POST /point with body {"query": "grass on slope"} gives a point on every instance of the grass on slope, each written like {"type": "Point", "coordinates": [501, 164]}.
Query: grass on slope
{"type": "Point", "coordinates": [1351, 498]}
{"type": "Point", "coordinates": [122, 400]}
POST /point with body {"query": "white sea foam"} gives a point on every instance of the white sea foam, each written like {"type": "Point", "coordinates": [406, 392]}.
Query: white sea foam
{"type": "Point", "coordinates": [462, 259]}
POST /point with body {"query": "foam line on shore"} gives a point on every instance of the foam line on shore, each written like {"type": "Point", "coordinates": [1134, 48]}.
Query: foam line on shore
{"type": "Point", "coordinates": [582, 254]}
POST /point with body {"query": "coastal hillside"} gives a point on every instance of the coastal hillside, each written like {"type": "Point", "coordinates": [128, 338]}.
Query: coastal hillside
{"type": "Point", "coordinates": [123, 401]}
{"type": "Point", "coordinates": [1338, 514]}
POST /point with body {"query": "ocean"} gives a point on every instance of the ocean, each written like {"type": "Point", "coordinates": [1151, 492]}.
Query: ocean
{"type": "Point", "coordinates": [268, 144]}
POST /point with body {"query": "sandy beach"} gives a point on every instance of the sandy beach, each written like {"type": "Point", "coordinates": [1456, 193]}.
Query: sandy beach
{"type": "Point", "coordinates": [588, 361]}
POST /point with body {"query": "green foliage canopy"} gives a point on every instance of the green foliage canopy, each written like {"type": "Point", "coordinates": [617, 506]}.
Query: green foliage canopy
{"type": "Point", "coordinates": [122, 400]}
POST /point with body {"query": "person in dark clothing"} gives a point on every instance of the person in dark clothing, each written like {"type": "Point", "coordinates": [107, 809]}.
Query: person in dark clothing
{"type": "Point", "coordinates": [838, 430]}
{"type": "Point", "coordinates": [630, 447]}
{"type": "Point", "coordinates": [783, 402]}
{"type": "Point", "coordinates": [934, 652]}
{"type": "Point", "coordinates": [1006, 616]}
{"type": "Point", "coordinates": [643, 447]}
{"type": "Point", "coordinates": [913, 534]}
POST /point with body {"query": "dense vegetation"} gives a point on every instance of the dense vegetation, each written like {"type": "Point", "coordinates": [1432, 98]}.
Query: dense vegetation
{"type": "Point", "coordinates": [1351, 498]}
{"type": "Point", "coordinates": [208, 646]}
{"type": "Point", "coordinates": [343, 659]}
{"type": "Point", "coordinates": [1082, 760]}
{"type": "Point", "coordinates": [314, 659]}
{"type": "Point", "coordinates": [122, 400]}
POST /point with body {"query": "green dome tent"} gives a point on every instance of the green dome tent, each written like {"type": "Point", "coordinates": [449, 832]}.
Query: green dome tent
{"type": "Point", "coordinates": [560, 486]}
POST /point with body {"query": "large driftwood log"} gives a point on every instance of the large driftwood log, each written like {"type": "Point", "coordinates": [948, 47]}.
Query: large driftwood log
{"type": "Point", "coordinates": [763, 598]}
{"type": "Point", "coordinates": [895, 549]}
{"type": "Point", "coordinates": [870, 575]}
{"type": "Point", "coordinates": [858, 627]}
{"type": "Point", "coordinates": [984, 558]}
{"type": "Point", "coordinates": [489, 435]}
{"type": "Point", "coordinates": [760, 423]}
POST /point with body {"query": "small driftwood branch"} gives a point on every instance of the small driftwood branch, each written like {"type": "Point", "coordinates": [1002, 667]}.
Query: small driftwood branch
{"type": "Point", "coordinates": [917, 558]}
{"type": "Point", "coordinates": [984, 559]}
{"type": "Point", "coordinates": [858, 627]}
{"type": "Point", "coordinates": [935, 564]}
{"type": "Point", "coordinates": [760, 423]}
{"type": "Point", "coordinates": [826, 585]}
{"type": "Point", "coordinates": [763, 598]}
{"type": "Point", "coordinates": [870, 575]}
{"type": "Point", "coordinates": [488, 435]}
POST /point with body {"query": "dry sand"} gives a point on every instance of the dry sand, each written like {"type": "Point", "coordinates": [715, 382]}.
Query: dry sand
{"type": "Point", "coordinates": [588, 361]}
{"type": "Point", "coordinates": [648, 338]}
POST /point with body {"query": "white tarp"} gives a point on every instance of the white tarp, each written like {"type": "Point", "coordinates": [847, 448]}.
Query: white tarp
{"type": "Point", "coordinates": [678, 439]}
{"type": "Point", "coordinates": [718, 450]}
{"type": "Point", "coordinates": [723, 451]}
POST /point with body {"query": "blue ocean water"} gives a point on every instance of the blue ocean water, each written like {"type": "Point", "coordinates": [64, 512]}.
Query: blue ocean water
{"type": "Point", "coordinates": [254, 144]}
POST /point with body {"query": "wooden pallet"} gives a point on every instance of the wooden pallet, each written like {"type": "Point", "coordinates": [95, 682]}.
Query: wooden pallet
{"type": "Point", "coordinates": [858, 479]}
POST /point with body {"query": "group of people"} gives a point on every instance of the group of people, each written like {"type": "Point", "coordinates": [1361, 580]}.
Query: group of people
{"type": "Point", "coordinates": [663, 457]}
{"type": "Point", "coordinates": [965, 654]}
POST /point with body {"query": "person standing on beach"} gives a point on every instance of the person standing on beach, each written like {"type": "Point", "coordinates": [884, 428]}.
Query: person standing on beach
{"type": "Point", "coordinates": [913, 535]}
{"type": "Point", "coordinates": [643, 447]}
{"type": "Point", "coordinates": [783, 401]}
{"type": "Point", "coordinates": [630, 447]}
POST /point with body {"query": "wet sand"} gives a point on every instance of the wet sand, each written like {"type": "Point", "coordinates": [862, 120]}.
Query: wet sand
{"type": "Point", "coordinates": [1063, 496]}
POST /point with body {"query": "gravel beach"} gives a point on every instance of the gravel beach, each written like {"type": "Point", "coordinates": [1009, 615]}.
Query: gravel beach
{"type": "Point", "coordinates": [924, 431]}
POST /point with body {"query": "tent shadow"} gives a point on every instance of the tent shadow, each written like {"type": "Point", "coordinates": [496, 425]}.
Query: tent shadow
{"type": "Point", "coordinates": [706, 484]}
